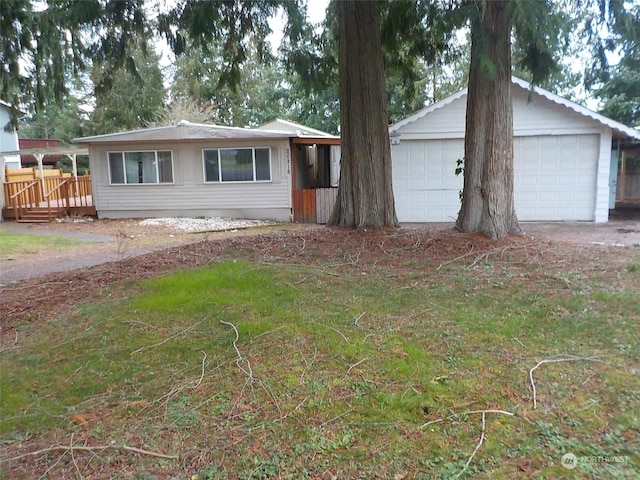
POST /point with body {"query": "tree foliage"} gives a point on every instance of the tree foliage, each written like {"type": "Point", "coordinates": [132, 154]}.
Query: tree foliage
{"type": "Point", "coordinates": [236, 27]}
{"type": "Point", "coordinates": [43, 48]}
{"type": "Point", "coordinates": [135, 97]}
{"type": "Point", "coordinates": [619, 86]}
{"type": "Point", "coordinates": [261, 97]}
{"type": "Point", "coordinates": [62, 122]}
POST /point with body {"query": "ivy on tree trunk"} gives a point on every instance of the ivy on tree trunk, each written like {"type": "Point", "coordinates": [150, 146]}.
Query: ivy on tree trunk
{"type": "Point", "coordinates": [487, 196]}
{"type": "Point", "coordinates": [365, 195]}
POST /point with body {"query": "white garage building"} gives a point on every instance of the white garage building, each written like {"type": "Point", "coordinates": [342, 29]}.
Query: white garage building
{"type": "Point", "coordinates": [565, 159]}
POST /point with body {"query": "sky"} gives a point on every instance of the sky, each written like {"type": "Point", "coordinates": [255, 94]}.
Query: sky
{"type": "Point", "coordinates": [316, 10]}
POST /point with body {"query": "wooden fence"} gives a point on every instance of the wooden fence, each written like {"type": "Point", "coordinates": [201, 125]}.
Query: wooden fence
{"type": "Point", "coordinates": [629, 187]}
{"type": "Point", "coordinates": [313, 205]}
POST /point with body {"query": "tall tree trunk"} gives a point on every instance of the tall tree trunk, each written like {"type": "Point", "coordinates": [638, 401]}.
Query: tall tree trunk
{"type": "Point", "coordinates": [487, 196]}
{"type": "Point", "coordinates": [365, 195]}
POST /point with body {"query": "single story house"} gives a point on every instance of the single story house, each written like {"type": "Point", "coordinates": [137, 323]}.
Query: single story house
{"type": "Point", "coordinates": [566, 159]}
{"type": "Point", "coordinates": [279, 171]}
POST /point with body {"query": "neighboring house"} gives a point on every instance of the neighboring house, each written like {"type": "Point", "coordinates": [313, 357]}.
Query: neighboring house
{"type": "Point", "coordinates": [8, 137]}
{"type": "Point", "coordinates": [51, 161]}
{"type": "Point", "coordinates": [208, 170]}
{"type": "Point", "coordinates": [566, 159]}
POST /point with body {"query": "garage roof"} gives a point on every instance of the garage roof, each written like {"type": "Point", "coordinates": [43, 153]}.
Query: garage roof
{"type": "Point", "coordinates": [615, 126]}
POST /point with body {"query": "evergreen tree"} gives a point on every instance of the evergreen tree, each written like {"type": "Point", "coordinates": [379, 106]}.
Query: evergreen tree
{"type": "Point", "coordinates": [487, 196]}
{"type": "Point", "coordinates": [135, 96]}
{"type": "Point", "coordinates": [619, 88]}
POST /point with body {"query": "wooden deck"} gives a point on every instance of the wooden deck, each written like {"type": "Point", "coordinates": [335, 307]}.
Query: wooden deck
{"type": "Point", "coordinates": [43, 199]}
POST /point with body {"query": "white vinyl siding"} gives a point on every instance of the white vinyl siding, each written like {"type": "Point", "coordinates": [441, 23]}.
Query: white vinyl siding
{"type": "Point", "coordinates": [190, 194]}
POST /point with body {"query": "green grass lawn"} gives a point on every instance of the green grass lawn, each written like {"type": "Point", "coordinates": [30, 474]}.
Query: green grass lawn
{"type": "Point", "coordinates": [248, 370]}
{"type": "Point", "coordinates": [15, 245]}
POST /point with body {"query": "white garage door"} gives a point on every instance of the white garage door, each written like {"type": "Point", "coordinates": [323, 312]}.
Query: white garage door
{"type": "Point", "coordinates": [425, 186]}
{"type": "Point", "coordinates": [555, 178]}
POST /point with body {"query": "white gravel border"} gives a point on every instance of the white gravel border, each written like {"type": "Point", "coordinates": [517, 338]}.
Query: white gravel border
{"type": "Point", "coordinates": [196, 225]}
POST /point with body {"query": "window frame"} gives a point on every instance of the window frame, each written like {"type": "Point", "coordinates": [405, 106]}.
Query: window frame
{"type": "Point", "coordinates": [124, 167]}
{"type": "Point", "coordinates": [253, 158]}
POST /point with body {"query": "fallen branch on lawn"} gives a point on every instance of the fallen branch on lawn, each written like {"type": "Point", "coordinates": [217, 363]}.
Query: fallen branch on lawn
{"type": "Point", "coordinates": [466, 465]}
{"type": "Point", "coordinates": [81, 448]}
{"type": "Point", "coordinates": [455, 259]}
{"type": "Point", "coordinates": [335, 330]}
{"type": "Point", "coordinates": [482, 434]}
{"type": "Point", "coordinates": [351, 367]}
{"type": "Point", "coordinates": [355, 322]}
{"type": "Point", "coordinates": [568, 358]}
{"type": "Point", "coordinates": [469, 412]}
{"type": "Point", "coordinates": [73, 458]}
{"type": "Point", "coordinates": [249, 371]}
{"type": "Point", "coordinates": [239, 357]}
{"type": "Point", "coordinates": [141, 349]}
{"type": "Point", "coordinates": [204, 360]}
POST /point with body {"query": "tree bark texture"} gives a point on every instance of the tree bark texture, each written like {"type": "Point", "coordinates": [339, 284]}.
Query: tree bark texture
{"type": "Point", "coordinates": [487, 196]}
{"type": "Point", "coordinates": [365, 195]}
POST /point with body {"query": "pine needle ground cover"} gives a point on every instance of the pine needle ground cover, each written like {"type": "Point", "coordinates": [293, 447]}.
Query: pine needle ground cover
{"type": "Point", "coordinates": [331, 354]}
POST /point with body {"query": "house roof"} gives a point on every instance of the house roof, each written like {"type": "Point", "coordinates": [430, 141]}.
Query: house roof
{"type": "Point", "coordinates": [10, 107]}
{"type": "Point", "coordinates": [188, 131]}
{"type": "Point", "coordinates": [615, 126]}
{"type": "Point", "coordinates": [287, 125]}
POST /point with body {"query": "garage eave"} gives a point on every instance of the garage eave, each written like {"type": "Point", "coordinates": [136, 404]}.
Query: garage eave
{"type": "Point", "coordinates": [620, 130]}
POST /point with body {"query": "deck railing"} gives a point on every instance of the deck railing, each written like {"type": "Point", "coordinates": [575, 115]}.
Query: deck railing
{"type": "Point", "coordinates": [22, 195]}
{"type": "Point", "coordinates": [52, 193]}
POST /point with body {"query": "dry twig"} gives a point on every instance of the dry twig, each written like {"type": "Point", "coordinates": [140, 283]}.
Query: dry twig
{"type": "Point", "coordinates": [357, 319]}
{"type": "Point", "coordinates": [351, 367]}
{"type": "Point", "coordinates": [204, 360]}
{"type": "Point", "coordinates": [469, 412]}
{"type": "Point", "coordinates": [482, 435]}
{"type": "Point", "coordinates": [73, 458]}
{"type": "Point", "coordinates": [15, 342]}
{"type": "Point", "coordinates": [568, 358]}
{"type": "Point", "coordinates": [248, 370]}
{"type": "Point", "coordinates": [86, 448]}
{"type": "Point", "coordinates": [455, 259]}
{"type": "Point", "coordinates": [239, 358]}
{"type": "Point", "coordinates": [466, 465]}
{"type": "Point", "coordinates": [335, 330]}
{"type": "Point", "coordinates": [142, 349]}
